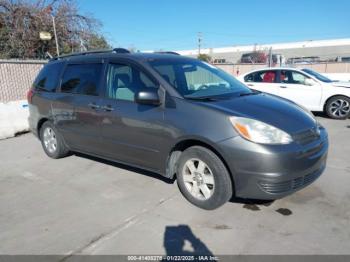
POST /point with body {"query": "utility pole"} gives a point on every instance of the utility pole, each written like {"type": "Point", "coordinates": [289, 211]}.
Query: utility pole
{"type": "Point", "coordinates": [199, 42]}
{"type": "Point", "coordinates": [55, 33]}
{"type": "Point", "coordinates": [270, 57]}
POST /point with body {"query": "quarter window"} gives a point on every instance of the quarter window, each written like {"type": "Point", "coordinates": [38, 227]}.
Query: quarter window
{"type": "Point", "coordinates": [82, 79]}
{"type": "Point", "coordinates": [48, 77]}
{"type": "Point", "coordinates": [123, 81]}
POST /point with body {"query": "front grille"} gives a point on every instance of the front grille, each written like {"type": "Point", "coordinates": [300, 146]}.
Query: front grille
{"type": "Point", "coordinates": [307, 136]}
{"type": "Point", "coordinates": [290, 185]}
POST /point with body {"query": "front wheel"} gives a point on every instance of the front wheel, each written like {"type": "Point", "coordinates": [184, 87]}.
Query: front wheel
{"type": "Point", "coordinates": [203, 179]}
{"type": "Point", "coordinates": [338, 107]}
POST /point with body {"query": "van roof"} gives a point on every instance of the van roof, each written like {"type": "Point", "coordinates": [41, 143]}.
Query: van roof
{"type": "Point", "coordinates": [111, 53]}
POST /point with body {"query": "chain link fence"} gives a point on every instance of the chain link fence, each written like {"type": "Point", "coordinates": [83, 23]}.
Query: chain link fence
{"type": "Point", "coordinates": [16, 77]}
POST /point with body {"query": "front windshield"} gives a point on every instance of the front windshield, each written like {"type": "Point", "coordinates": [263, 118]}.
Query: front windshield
{"type": "Point", "coordinates": [196, 79]}
{"type": "Point", "coordinates": [317, 75]}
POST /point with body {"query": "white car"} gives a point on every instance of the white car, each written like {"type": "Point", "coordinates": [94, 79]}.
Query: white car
{"type": "Point", "coordinates": [304, 87]}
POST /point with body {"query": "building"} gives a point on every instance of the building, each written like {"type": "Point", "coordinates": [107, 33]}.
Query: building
{"type": "Point", "coordinates": [318, 50]}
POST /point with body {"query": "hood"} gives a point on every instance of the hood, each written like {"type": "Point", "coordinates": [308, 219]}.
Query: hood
{"type": "Point", "coordinates": [270, 109]}
{"type": "Point", "coordinates": [341, 84]}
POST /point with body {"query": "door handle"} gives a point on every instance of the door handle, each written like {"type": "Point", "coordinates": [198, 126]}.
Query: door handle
{"type": "Point", "coordinates": [283, 87]}
{"type": "Point", "coordinates": [93, 106]}
{"type": "Point", "coordinates": [107, 108]}
{"type": "Point", "coordinates": [250, 85]}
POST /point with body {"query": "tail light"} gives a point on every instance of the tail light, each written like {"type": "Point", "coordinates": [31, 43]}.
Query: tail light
{"type": "Point", "coordinates": [30, 95]}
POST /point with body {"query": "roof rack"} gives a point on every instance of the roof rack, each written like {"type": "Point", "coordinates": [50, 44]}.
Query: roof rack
{"type": "Point", "coordinates": [115, 50]}
{"type": "Point", "coordinates": [167, 52]}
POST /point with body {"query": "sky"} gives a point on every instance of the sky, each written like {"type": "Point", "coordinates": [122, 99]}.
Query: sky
{"type": "Point", "coordinates": [174, 24]}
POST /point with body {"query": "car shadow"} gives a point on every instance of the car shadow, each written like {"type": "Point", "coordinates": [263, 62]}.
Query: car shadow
{"type": "Point", "coordinates": [320, 114]}
{"type": "Point", "coordinates": [239, 200]}
{"type": "Point", "coordinates": [180, 241]}
{"type": "Point", "coordinates": [127, 167]}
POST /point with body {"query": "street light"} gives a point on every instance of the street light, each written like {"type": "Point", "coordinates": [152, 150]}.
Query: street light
{"type": "Point", "coordinates": [49, 11]}
{"type": "Point", "coordinates": [55, 33]}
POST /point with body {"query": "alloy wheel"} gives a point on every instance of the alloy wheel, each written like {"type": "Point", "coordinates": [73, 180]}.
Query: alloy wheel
{"type": "Point", "coordinates": [50, 140]}
{"type": "Point", "coordinates": [198, 179]}
{"type": "Point", "coordinates": [340, 108]}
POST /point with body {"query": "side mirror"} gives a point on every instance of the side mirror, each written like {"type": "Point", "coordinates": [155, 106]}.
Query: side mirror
{"type": "Point", "coordinates": [147, 97]}
{"type": "Point", "coordinates": [310, 82]}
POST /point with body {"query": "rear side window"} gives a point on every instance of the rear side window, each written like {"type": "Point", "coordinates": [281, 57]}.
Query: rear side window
{"type": "Point", "coordinates": [82, 79]}
{"type": "Point", "coordinates": [48, 78]}
{"type": "Point", "coordinates": [261, 77]}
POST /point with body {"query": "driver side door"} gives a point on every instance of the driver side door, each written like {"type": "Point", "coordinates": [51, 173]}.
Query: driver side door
{"type": "Point", "coordinates": [300, 88]}
{"type": "Point", "coordinates": [131, 133]}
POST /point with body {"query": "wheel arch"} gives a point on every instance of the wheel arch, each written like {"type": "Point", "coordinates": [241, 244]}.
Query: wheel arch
{"type": "Point", "coordinates": [40, 124]}
{"type": "Point", "coordinates": [181, 145]}
{"type": "Point", "coordinates": [332, 96]}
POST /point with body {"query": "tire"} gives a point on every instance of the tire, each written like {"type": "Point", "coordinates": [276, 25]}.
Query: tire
{"type": "Point", "coordinates": [208, 173]}
{"type": "Point", "coordinates": [52, 142]}
{"type": "Point", "coordinates": [338, 107]}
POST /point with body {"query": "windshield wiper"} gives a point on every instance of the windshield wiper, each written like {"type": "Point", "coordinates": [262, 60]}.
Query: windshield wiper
{"type": "Point", "coordinates": [255, 92]}
{"type": "Point", "coordinates": [201, 98]}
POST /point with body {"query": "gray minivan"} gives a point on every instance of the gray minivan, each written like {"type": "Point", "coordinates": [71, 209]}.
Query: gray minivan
{"type": "Point", "coordinates": [181, 118]}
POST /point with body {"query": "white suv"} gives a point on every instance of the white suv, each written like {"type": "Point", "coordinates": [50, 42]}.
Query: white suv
{"type": "Point", "coordinates": [305, 87]}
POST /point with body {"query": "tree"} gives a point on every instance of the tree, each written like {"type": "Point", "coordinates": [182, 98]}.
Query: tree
{"type": "Point", "coordinates": [21, 21]}
{"type": "Point", "coordinates": [204, 57]}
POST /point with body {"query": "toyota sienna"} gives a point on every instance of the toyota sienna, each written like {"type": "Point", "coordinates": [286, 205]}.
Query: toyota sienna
{"type": "Point", "coordinates": [181, 118]}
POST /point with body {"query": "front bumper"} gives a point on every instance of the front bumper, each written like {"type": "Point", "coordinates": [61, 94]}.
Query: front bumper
{"type": "Point", "coordinates": [273, 171]}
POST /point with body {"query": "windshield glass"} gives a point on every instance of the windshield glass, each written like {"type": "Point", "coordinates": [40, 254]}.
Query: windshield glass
{"type": "Point", "coordinates": [317, 75]}
{"type": "Point", "coordinates": [196, 79]}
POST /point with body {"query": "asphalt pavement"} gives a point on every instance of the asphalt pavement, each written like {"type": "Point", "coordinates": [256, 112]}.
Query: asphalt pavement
{"type": "Point", "coordinates": [83, 205]}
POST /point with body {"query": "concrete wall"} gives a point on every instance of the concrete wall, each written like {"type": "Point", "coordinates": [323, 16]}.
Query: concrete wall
{"type": "Point", "coordinates": [16, 77]}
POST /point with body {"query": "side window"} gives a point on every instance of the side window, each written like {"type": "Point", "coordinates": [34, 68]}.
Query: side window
{"type": "Point", "coordinates": [81, 79]}
{"type": "Point", "coordinates": [168, 73]}
{"type": "Point", "coordinates": [261, 77]}
{"type": "Point", "coordinates": [293, 77]}
{"type": "Point", "coordinates": [268, 76]}
{"type": "Point", "coordinates": [48, 78]}
{"type": "Point", "coordinates": [249, 78]}
{"type": "Point", "coordinates": [123, 81]}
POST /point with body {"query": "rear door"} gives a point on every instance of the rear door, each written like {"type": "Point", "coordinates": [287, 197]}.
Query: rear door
{"type": "Point", "coordinates": [79, 106]}
{"type": "Point", "coordinates": [300, 88]}
{"type": "Point", "coordinates": [131, 132]}
{"type": "Point", "coordinates": [264, 80]}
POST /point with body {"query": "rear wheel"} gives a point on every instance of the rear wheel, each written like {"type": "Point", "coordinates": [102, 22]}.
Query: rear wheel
{"type": "Point", "coordinates": [203, 178]}
{"type": "Point", "coordinates": [52, 142]}
{"type": "Point", "coordinates": [338, 107]}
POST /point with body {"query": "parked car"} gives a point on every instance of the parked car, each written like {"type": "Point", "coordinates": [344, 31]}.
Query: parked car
{"type": "Point", "coordinates": [181, 118]}
{"type": "Point", "coordinates": [304, 60]}
{"type": "Point", "coordinates": [254, 58]}
{"type": "Point", "coordinates": [262, 58]}
{"type": "Point", "coordinates": [305, 87]}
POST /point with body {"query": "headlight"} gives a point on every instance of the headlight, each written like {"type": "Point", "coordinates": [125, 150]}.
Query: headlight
{"type": "Point", "coordinates": [259, 132]}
